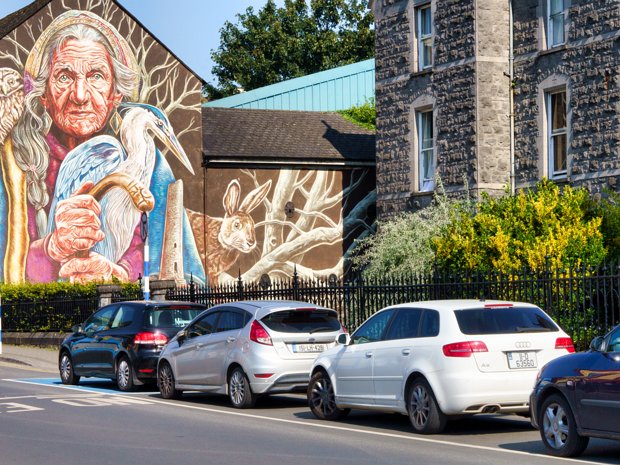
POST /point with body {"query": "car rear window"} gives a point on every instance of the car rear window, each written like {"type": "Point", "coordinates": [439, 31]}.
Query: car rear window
{"type": "Point", "coordinates": [302, 321]}
{"type": "Point", "coordinates": [504, 320]}
{"type": "Point", "coordinates": [173, 316]}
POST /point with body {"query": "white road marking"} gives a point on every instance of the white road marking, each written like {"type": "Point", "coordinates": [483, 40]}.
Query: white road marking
{"type": "Point", "coordinates": [340, 428]}
{"type": "Point", "coordinates": [14, 407]}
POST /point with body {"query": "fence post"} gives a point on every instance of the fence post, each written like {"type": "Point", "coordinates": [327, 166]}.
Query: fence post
{"type": "Point", "coordinates": [295, 284]}
{"type": "Point", "coordinates": [240, 286]}
{"type": "Point", "coordinates": [105, 293]}
{"type": "Point", "coordinates": [361, 299]}
{"type": "Point", "coordinates": [160, 287]}
{"type": "Point", "coordinates": [192, 289]}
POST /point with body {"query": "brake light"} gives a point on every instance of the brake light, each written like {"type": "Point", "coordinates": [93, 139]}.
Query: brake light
{"type": "Point", "coordinates": [259, 334]}
{"type": "Point", "coordinates": [464, 349]}
{"type": "Point", "coordinates": [158, 339]}
{"type": "Point", "coordinates": [498, 305]}
{"type": "Point", "coordinates": [565, 343]}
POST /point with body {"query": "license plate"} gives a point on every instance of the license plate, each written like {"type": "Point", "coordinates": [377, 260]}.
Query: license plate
{"type": "Point", "coordinates": [304, 348]}
{"type": "Point", "coordinates": [520, 360]}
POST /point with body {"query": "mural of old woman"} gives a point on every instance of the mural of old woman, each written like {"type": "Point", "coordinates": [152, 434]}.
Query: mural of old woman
{"type": "Point", "coordinates": [77, 126]}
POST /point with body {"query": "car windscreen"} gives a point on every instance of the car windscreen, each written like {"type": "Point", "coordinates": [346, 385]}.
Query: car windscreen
{"type": "Point", "coordinates": [173, 316]}
{"type": "Point", "coordinates": [504, 320]}
{"type": "Point", "coordinates": [302, 321]}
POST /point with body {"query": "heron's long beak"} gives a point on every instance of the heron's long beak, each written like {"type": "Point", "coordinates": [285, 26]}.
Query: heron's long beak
{"type": "Point", "coordinates": [172, 143]}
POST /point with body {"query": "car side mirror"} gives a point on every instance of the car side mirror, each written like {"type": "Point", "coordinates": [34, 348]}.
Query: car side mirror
{"type": "Point", "coordinates": [181, 336]}
{"type": "Point", "coordinates": [77, 329]}
{"type": "Point", "coordinates": [597, 343]}
{"type": "Point", "coordinates": [343, 339]}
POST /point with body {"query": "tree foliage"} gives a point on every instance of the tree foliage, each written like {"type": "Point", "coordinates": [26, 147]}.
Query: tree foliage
{"type": "Point", "coordinates": [404, 245]}
{"type": "Point", "coordinates": [299, 38]}
{"type": "Point", "coordinates": [608, 208]}
{"type": "Point", "coordinates": [364, 115]}
{"type": "Point", "coordinates": [532, 228]}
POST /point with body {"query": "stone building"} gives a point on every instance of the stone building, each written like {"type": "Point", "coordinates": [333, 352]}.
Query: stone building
{"type": "Point", "coordinates": [494, 95]}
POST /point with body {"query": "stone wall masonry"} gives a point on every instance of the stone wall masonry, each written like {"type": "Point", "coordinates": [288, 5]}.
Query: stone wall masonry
{"type": "Point", "coordinates": [525, 26]}
{"type": "Point", "coordinates": [590, 18]}
{"type": "Point", "coordinates": [493, 123]}
{"type": "Point", "coordinates": [471, 94]}
{"type": "Point", "coordinates": [455, 35]}
{"type": "Point", "coordinates": [590, 66]}
{"type": "Point", "coordinates": [393, 48]}
{"type": "Point", "coordinates": [455, 140]}
{"type": "Point", "coordinates": [492, 29]}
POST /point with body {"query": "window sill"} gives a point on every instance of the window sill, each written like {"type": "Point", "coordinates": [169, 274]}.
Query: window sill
{"type": "Point", "coordinates": [551, 51]}
{"type": "Point", "coordinates": [424, 72]}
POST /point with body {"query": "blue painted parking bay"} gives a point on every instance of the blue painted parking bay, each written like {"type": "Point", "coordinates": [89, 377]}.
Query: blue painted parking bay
{"type": "Point", "coordinates": [98, 385]}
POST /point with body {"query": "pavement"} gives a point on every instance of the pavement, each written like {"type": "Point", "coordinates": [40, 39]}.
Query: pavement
{"type": "Point", "coordinates": [35, 358]}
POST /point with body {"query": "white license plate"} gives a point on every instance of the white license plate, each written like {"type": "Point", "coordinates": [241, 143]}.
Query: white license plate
{"type": "Point", "coordinates": [309, 348]}
{"type": "Point", "coordinates": [520, 360]}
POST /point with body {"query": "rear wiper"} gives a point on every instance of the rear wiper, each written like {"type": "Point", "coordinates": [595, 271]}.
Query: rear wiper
{"type": "Point", "coordinates": [320, 329]}
{"type": "Point", "coordinates": [523, 329]}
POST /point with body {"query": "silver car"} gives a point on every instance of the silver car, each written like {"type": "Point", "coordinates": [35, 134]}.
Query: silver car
{"type": "Point", "coordinates": [247, 349]}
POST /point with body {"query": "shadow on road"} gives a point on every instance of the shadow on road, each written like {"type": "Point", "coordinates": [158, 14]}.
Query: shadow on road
{"type": "Point", "coordinates": [599, 450]}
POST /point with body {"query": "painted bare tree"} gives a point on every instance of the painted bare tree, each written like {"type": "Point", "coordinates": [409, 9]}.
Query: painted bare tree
{"type": "Point", "coordinates": [163, 84]}
{"type": "Point", "coordinates": [286, 242]}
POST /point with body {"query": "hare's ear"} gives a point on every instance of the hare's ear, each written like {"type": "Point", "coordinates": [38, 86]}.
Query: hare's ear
{"type": "Point", "coordinates": [254, 198]}
{"type": "Point", "coordinates": [231, 197]}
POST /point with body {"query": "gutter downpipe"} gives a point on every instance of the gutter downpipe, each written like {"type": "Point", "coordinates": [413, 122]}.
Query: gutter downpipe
{"type": "Point", "coordinates": [511, 100]}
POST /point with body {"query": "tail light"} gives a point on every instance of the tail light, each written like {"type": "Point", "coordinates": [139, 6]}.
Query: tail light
{"type": "Point", "coordinates": [565, 343]}
{"type": "Point", "coordinates": [158, 339]}
{"type": "Point", "coordinates": [464, 349]}
{"type": "Point", "coordinates": [259, 334]}
{"type": "Point", "coordinates": [344, 330]}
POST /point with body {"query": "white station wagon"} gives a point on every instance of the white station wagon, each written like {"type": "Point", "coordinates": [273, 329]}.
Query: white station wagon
{"type": "Point", "coordinates": [436, 359]}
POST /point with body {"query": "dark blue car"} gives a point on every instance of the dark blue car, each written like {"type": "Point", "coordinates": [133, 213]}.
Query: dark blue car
{"type": "Point", "coordinates": [577, 396]}
{"type": "Point", "coordinates": [122, 341]}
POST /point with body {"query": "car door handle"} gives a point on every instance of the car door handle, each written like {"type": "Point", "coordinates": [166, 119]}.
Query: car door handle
{"type": "Point", "coordinates": [368, 354]}
{"type": "Point", "coordinates": [230, 339]}
{"type": "Point", "coordinates": [200, 345]}
{"type": "Point", "coordinates": [406, 351]}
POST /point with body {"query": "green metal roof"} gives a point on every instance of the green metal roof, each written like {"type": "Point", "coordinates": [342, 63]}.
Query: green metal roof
{"type": "Point", "coordinates": [332, 90]}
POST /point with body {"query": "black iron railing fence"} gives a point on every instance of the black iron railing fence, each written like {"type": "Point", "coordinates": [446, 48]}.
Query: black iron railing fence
{"type": "Point", "coordinates": [584, 301]}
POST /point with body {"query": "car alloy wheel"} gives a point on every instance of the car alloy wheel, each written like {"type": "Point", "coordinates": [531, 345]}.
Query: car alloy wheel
{"type": "Point", "coordinates": [165, 381]}
{"type": "Point", "coordinates": [322, 400]}
{"type": "Point", "coordinates": [558, 429]}
{"type": "Point", "coordinates": [124, 375]}
{"type": "Point", "coordinates": [239, 390]}
{"type": "Point", "coordinates": [424, 413]}
{"type": "Point", "coordinates": [67, 375]}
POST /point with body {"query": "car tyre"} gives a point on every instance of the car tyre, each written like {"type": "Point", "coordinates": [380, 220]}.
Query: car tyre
{"type": "Point", "coordinates": [239, 391]}
{"type": "Point", "coordinates": [165, 382]}
{"type": "Point", "coordinates": [124, 374]}
{"type": "Point", "coordinates": [424, 413]}
{"type": "Point", "coordinates": [322, 400]}
{"type": "Point", "coordinates": [67, 373]}
{"type": "Point", "coordinates": [558, 428]}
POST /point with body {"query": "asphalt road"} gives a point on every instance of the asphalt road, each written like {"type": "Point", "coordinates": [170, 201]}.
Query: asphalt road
{"type": "Point", "coordinates": [43, 422]}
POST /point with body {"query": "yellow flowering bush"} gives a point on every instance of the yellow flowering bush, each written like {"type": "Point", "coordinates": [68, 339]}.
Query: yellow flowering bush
{"type": "Point", "coordinates": [527, 229]}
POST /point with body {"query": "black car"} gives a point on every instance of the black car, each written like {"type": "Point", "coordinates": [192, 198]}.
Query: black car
{"type": "Point", "coordinates": [122, 341]}
{"type": "Point", "coordinates": [577, 396]}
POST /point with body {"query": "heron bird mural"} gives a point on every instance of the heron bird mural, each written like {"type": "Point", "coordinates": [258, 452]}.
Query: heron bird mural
{"type": "Point", "coordinates": [121, 172]}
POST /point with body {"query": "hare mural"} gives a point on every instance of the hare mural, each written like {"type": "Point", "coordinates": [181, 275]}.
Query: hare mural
{"type": "Point", "coordinates": [221, 240]}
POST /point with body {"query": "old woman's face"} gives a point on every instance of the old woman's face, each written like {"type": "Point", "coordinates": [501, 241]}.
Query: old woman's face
{"type": "Point", "coordinates": [80, 91]}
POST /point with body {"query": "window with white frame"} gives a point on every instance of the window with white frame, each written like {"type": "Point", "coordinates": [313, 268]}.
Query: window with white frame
{"type": "Point", "coordinates": [557, 133]}
{"type": "Point", "coordinates": [424, 34]}
{"type": "Point", "coordinates": [556, 16]}
{"type": "Point", "coordinates": [426, 151]}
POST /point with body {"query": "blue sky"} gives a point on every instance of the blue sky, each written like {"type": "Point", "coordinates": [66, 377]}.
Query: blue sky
{"type": "Point", "coordinates": [190, 28]}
